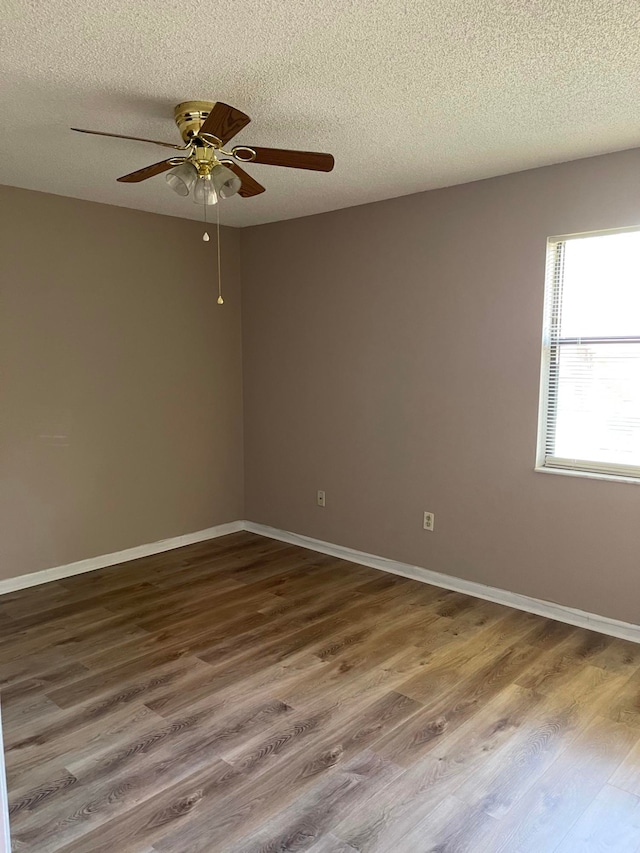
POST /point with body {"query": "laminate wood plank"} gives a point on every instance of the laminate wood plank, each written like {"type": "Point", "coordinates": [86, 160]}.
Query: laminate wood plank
{"type": "Point", "coordinates": [31, 799]}
{"type": "Point", "coordinates": [457, 703]}
{"type": "Point", "coordinates": [43, 597]}
{"type": "Point", "coordinates": [552, 671]}
{"type": "Point", "coordinates": [54, 677]}
{"type": "Point", "coordinates": [234, 727]}
{"type": "Point", "coordinates": [140, 768]}
{"type": "Point", "coordinates": [293, 606]}
{"type": "Point", "coordinates": [348, 728]}
{"type": "Point", "coordinates": [82, 610]}
{"type": "Point", "coordinates": [181, 632]}
{"type": "Point", "coordinates": [21, 669]}
{"type": "Point", "coordinates": [372, 641]}
{"type": "Point", "coordinates": [32, 645]}
{"type": "Point", "coordinates": [611, 824]}
{"type": "Point", "coordinates": [329, 843]}
{"type": "Point", "coordinates": [259, 560]}
{"type": "Point", "coordinates": [48, 724]}
{"type": "Point", "coordinates": [276, 640]}
{"type": "Point", "coordinates": [384, 820]}
{"type": "Point", "coordinates": [162, 612]}
{"type": "Point", "coordinates": [101, 637]}
{"type": "Point", "coordinates": [113, 830]}
{"type": "Point", "coordinates": [234, 680]}
{"type": "Point", "coordinates": [619, 656]}
{"type": "Point", "coordinates": [554, 723]}
{"type": "Point", "coordinates": [215, 556]}
{"type": "Point", "coordinates": [112, 578]}
{"type": "Point", "coordinates": [298, 611]}
{"type": "Point", "coordinates": [142, 597]}
{"type": "Point", "coordinates": [137, 660]}
{"type": "Point", "coordinates": [134, 598]}
{"type": "Point", "coordinates": [264, 568]}
{"type": "Point", "coordinates": [206, 727]}
{"type": "Point", "coordinates": [545, 814]}
{"type": "Point", "coordinates": [28, 713]}
{"type": "Point", "coordinates": [31, 760]}
{"type": "Point", "coordinates": [305, 578]}
{"type": "Point", "coordinates": [463, 626]}
{"type": "Point", "coordinates": [626, 776]}
{"type": "Point", "coordinates": [190, 581]}
{"type": "Point", "coordinates": [248, 695]}
{"type": "Point", "coordinates": [124, 676]}
{"type": "Point", "coordinates": [450, 660]}
{"type": "Point", "coordinates": [625, 707]}
{"type": "Point", "coordinates": [22, 642]}
{"type": "Point", "coordinates": [232, 546]}
{"type": "Point", "coordinates": [451, 826]}
{"type": "Point", "coordinates": [153, 817]}
{"type": "Point", "coordinates": [25, 608]}
{"type": "Point", "coordinates": [311, 816]}
{"type": "Point", "coordinates": [157, 615]}
{"type": "Point", "coordinates": [353, 675]}
{"type": "Point", "coordinates": [346, 736]}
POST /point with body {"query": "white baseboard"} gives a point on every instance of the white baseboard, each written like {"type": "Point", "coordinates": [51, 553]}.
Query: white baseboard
{"type": "Point", "coordinates": [93, 563]}
{"type": "Point", "coordinates": [580, 618]}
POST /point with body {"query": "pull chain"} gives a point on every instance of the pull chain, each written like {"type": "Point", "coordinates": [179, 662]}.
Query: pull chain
{"type": "Point", "coordinates": [205, 236]}
{"type": "Point", "coordinates": [220, 299]}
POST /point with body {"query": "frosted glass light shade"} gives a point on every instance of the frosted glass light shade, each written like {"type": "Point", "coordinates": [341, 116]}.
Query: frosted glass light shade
{"type": "Point", "coordinates": [226, 182]}
{"type": "Point", "coordinates": [182, 178]}
{"type": "Point", "coordinates": [204, 191]}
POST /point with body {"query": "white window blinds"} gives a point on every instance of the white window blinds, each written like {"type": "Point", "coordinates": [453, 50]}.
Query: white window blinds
{"type": "Point", "coordinates": [590, 400]}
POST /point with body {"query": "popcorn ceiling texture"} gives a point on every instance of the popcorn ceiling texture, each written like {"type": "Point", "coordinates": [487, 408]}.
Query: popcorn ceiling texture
{"type": "Point", "coordinates": [407, 94]}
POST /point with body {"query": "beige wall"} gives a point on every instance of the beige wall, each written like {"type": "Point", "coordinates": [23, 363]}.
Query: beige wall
{"type": "Point", "coordinates": [110, 336]}
{"type": "Point", "coordinates": [391, 357]}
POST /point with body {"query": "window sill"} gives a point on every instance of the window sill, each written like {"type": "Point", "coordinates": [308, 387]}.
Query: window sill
{"type": "Point", "coordinates": [587, 475]}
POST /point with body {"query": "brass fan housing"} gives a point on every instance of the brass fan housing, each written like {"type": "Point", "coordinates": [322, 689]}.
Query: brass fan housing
{"type": "Point", "coordinates": [190, 116]}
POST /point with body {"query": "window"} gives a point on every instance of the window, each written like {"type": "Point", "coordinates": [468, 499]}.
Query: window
{"type": "Point", "coordinates": [590, 395]}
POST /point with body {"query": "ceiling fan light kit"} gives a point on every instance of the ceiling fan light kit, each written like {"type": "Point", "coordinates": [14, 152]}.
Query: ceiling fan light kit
{"type": "Point", "coordinates": [182, 178]}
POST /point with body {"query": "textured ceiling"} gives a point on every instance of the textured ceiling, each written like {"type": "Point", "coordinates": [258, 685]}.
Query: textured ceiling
{"type": "Point", "coordinates": [407, 94]}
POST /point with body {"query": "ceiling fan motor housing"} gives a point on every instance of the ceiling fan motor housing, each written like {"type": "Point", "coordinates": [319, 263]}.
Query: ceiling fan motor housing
{"type": "Point", "coordinates": [190, 116]}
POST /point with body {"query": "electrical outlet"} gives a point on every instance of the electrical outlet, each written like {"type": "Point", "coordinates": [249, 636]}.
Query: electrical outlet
{"type": "Point", "coordinates": [429, 521]}
{"type": "Point", "coordinates": [321, 498]}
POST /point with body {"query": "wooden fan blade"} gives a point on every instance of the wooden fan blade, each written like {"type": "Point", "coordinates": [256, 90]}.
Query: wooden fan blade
{"type": "Point", "coordinates": [250, 187]}
{"type": "Point", "coordinates": [293, 159]}
{"type": "Point", "coordinates": [224, 122]}
{"type": "Point", "coordinates": [135, 138]}
{"type": "Point", "coordinates": [147, 172]}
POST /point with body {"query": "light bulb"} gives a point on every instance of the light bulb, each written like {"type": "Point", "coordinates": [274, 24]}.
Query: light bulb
{"type": "Point", "coordinates": [181, 178]}
{"type": "Point", "coordinates": [204, 192]}
{"type": "Point", "coordinates": [225, 181]}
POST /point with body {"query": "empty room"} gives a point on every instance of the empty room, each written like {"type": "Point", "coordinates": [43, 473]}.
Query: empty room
{"type": "Point", "coordinates": [320, 427]}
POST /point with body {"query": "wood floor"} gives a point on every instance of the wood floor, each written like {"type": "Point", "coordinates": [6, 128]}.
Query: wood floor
{"type": "Point", "coordinates": [249, 696]}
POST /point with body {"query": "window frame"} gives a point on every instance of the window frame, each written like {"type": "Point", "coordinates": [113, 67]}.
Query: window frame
{"type": "Point", "coordinates": [548, 402]}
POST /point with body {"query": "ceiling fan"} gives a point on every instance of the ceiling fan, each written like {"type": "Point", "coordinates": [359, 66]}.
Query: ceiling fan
{"type": "Point", "coordinates": [206, 167]}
